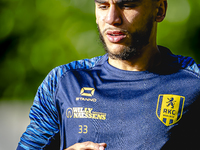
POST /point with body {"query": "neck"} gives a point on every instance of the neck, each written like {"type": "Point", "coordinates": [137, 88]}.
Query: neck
{"type": "Point", "coordinates": [147, 59]}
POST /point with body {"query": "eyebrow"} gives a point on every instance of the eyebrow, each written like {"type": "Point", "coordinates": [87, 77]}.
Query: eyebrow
{"type": "Point", "coordinates": [118, 1]}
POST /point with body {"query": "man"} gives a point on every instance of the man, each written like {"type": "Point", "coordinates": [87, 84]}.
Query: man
{"type": "Point", "coordinates": [137, 96]}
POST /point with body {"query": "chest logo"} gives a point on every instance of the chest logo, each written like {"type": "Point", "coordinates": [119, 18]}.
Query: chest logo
{"type": "Point", "coordinates": [170, 108]}
{"type": "Point", "coordinates": [87, 91]}
{"type": "Point", "coordinates": [87, 113]}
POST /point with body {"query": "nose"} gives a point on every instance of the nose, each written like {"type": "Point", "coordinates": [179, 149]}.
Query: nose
{"type": "Point", "coordinates": [113, 16]}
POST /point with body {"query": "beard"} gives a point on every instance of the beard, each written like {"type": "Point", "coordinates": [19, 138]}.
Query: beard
{"type": "Point", "coordinates": [139, 39]}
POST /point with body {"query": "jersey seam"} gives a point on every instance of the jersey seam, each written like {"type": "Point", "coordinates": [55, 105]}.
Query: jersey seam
{"type": "Point", "coordinates": [191, 72]}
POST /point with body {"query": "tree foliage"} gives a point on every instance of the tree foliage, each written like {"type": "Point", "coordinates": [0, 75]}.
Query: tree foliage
{"type": "Point", "coordinates": [38, 35]}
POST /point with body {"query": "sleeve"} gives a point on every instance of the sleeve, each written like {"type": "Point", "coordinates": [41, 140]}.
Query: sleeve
{"type": "Point", "coordinates": [43, 117]}
{"type": "Point", "coordinates": [44, 124]}
{"type": "Point", "coordinates": [189, 63]}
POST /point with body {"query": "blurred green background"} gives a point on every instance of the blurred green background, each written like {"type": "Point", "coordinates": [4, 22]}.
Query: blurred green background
{"type": "Point", "coordinates": [38, 35]}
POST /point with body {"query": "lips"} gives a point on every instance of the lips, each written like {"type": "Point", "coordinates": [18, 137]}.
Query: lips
{"type": "Point", "coordinates": [115, 36]}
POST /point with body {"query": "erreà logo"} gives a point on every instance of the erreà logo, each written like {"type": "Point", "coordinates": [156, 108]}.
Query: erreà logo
{"type": "Point", "coordinates": [87, 91]}
{"type": "Point", "coordinates": [170, 108]}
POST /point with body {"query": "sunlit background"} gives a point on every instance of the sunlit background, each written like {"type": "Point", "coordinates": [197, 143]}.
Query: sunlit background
{"type": "Point", "coordinates": [38, 35]}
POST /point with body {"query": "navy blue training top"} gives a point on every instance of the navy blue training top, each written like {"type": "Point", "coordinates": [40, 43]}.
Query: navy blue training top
{"type": "Point", "coordinates": [90, 100]}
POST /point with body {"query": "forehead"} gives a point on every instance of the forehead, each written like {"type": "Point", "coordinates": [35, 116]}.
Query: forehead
{"type": "Point", "coordinates": [117, 1]}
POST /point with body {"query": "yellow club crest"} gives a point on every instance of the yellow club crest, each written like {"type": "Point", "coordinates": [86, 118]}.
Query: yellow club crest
{"type": "Point", "coordinates": [170, 108]}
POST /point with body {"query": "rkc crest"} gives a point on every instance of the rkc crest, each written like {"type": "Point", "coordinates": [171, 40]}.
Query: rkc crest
{"type": "Point", "coordinates": [170, 108]}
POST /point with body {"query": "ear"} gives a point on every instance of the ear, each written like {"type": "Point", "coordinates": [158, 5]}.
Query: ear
{"type": "Point", "coordinates": [161, 10]}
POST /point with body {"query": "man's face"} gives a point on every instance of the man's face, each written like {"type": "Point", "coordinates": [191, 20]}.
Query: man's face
{"type": "Point", "coordinates": [125, 26]}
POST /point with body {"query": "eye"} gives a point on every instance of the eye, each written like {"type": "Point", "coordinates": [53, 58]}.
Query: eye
{"type": "Point", "coordinates": [128, 6]}
{"type": "Point", "coordinates": [103, 6]}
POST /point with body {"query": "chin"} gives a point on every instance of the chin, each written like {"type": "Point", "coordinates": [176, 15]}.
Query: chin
{"type": "Point", "coordinates": [117, 49]}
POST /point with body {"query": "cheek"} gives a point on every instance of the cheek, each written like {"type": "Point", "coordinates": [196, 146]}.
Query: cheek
{"type": "Point", "coordinates": [100, 16]}
{"type": "Point", "coordinates": [131, 16]}
{"type": "Point", "coordinates": [132, 19]}
{"type": "Point", "coordinates": [96, 15]}
{"type": "Point", "coordinates": [100, 19]}
{"type": "Point", "coordinates": [100, 23]}
{"type": "Point", "coordinates": [97, 22]}
{"type": "Point", "coordinates": [135, 20]}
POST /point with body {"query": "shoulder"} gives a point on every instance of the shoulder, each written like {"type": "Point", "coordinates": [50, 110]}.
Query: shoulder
{"type": "Point", "coordinates": [181, 62]}
{"type": "Point", "coordinates": [75, 65]}
{"type": "Point", "coordinates": [51, 80]}
{"type": "Point", "coordinates": [47, 89]}
{"type": "Point", "coordinates": [188, 63]}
